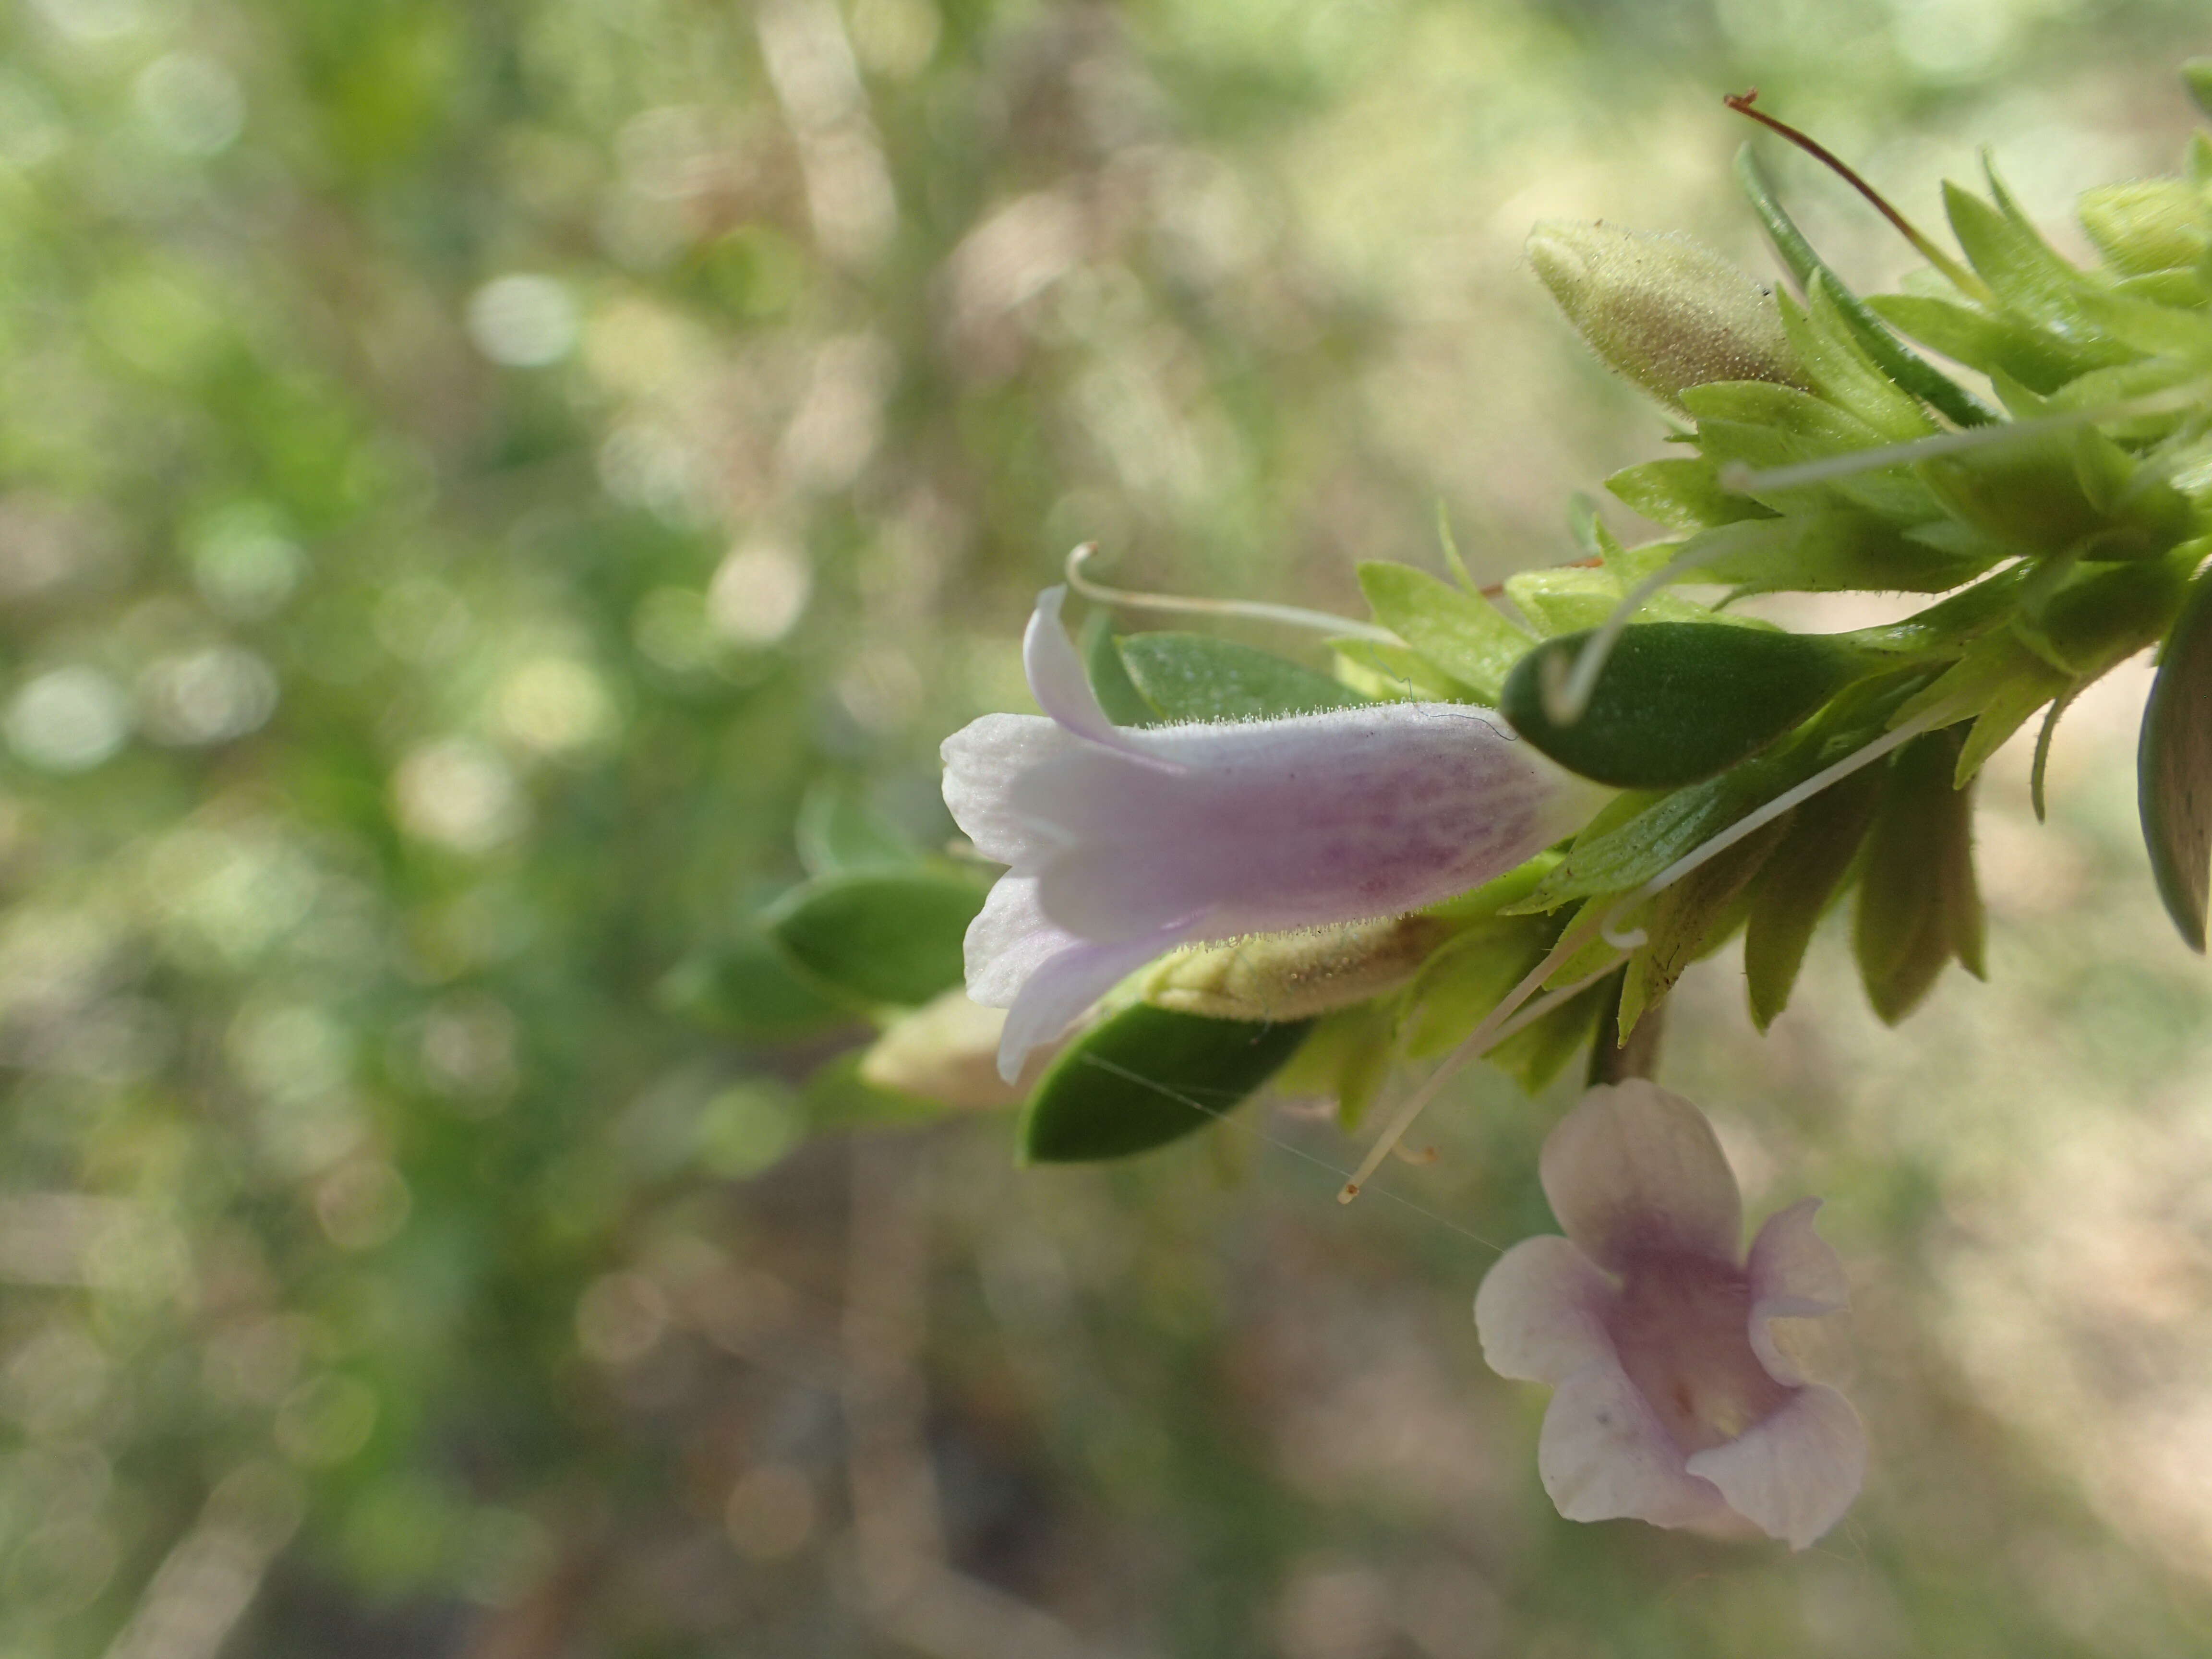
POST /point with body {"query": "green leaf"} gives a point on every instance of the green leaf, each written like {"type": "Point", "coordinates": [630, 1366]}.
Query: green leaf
{"type": "Point", "coordinates": [2196, 75]}
{"type": "Point", "coordinates": [1195, 677]}
{"type": "Point", "coordinates": [1389, 672]}
{"type": "Point", "coordinates": [1533, 1057]}
{"type": "Point", "coordinates": [747, 990]}
{"type": "Point", "coordinates": [1771, 426]}
{"type": "Point", "coordinates": [1914, 373]}
{"type": "Point", "coordinates": [1561, 600]}
{"type": "Point", "coordinates": [2146, 225]}
{"type": "Point", "coordinates": [1919, 908]}
{"type": "Point", "coordinates": [1678, 703]}
{"type": "Point", "coordinates": [1993, 343]}
{"type": "Point", "coordinates": [1116, 692]}
{"type": "Point", "coordinates": [2174, 765]}
{"type": "Point", "coordinates": [1462, 634]}
{"type": "Point", "coordinates": [837, 829]}
{"type": "Point", "coordinates": [1682, 493]}
{"type": "Point", "coordinates": [1692, 918]}
{"type": "Point", "coordinates": [2008, 253]}
{"type": "Point", "coordinates": [2002, 683]}
{"type": "Point", "coordinates": [1145, 1076]}
{"type": "Point", "coordinates": [1461, 984]}
{"type": "Point", "coordinates": [1795, 886]}
{"type": "Point", "coordinates": [879, 937]}
{"type": "Point", "coordinates": [1829, 550]}
{"type": "Point", "coordinates": [1842, 371]}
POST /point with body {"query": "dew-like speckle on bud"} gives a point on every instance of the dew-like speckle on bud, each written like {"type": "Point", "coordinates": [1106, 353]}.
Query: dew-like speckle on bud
{"type": "Point", "coordinates": [1663, 311]}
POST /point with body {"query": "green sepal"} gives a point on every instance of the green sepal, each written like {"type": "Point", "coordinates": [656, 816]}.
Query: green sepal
{"type": "Point", "coordinates": [1765, 426]}
{"type": "Point", "coordinates": [1998, 682]}
{"type": "Point", "coordinates": [1912, 373]}
{"type": "Point", "coordinates": [1195, 677]}
{"type": "Point", "coordinates": [1995, 342]}
{"type": "Point", "coordinates": [879, 936]}
{"type": "Point", "coordinates": [1796, 883]}
{"type": "Point", "coordinates": [2102, 615]}
{"type": "Point", "coordinates": [1682, 493]}
{"type": "Point", "coordinates": [1692, 918]}
{"type": "Point", "coordinates": [1841, 373]}
{"type": "Point", "coordinates": [2197, 76]}
{"type": "Point", "coordinates": [1146, 1077]}
{"type": "Point", "coordinates": [2008, 252]}
{"type": "Point", "coordinates": [1677, 702]}
{"type": "Point", "coordinates": [1110, 684]}
{"type": "Point", "coordinates": [2174, 763]}
{"type": "Point", "coordinates": [1919, 908]}
{"type": "Point", "coordinates": [1462, 634]}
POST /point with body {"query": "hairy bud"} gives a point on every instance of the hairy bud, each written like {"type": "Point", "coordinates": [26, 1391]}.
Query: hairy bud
{"type": "Point", "coordinates": [1665, 312]}
{"type": "Point", "coordinates": [1285, 977]}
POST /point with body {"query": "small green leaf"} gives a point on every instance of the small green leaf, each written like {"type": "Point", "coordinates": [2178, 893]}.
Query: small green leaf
{"type": "Point", "coordinates": [1677, 702]}
{"type": "Point", "coordinates": [1774, 426]}
{"type": "Point", "coordinates": [838, 830]}
{"type": "Point", "coordinates": [2196, 75]}
{"type": "Point", "coordinates": [1195, 677]}
{"type": "Point", "coordinates": [2173, 764]}
{"type": "Point", "coordinates": [1394, 673]}
{"type": "Point", "coordinates": [1145, 1076]}
{"type": "Point", "coordinates": [1830, 550]}
{"type": "Point", "coordinates": [2008, 254]}
{"type": "Point", "coordinates": [1841, 373]}
{"type": "Point", "coordinates": [1116, 692]}
{"type": "Point", "coordinates": [1461, 984]}
{"type": "Point", "coordinates": [1795, 886]}
{"type": "Point", "coordinates": [879, 937]}
{"type": "Point", "coordinates": [1692, 918]}
{"type": "Point", "coordinates": [1993, 342]}
{"type": "Point", "coordinates": [1918, 907]}
{"type": "Point", "coordinates": [748, 990]}
{"type": "Point", "coordinates": [1683, 493]}
{"type": "Point", "coordinates": [1462, 634]}
{"type": "Point", "coordinates": [1915, 374]}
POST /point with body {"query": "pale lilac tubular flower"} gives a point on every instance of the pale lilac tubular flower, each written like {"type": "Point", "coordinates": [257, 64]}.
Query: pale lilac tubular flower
{"type": "Point", "coordinates": [1679, 1365]}
{"type": "Point", "coordinates": [1122, 843]}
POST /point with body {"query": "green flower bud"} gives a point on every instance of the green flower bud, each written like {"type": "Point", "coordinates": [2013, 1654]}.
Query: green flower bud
{"type": "Point", "coordinates": [2150, 224]}
{"type": "Point", "coordinates": [1665, 312]}
{"type": "Point", "coordinates": [1286, 976]}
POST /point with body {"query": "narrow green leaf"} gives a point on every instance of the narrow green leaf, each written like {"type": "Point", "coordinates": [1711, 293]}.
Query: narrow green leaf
{"type": "Point", "coordinates": [1919, 908]}
{"type": "Point", "coordinates": [2174, 765]}
{"type": "Point", "coordinates": [1145, 1076]}
{"type": "Point", "coordinates": [1682, 493]}
{"type": "Point", "coordinates": [1677, 702]}
{"type": "Point", "coordinates": [2008, 254]}
{"type": "Point", "coordinates": [1994, 343]}
{"type": "Point", "coordinates": [1195, 677]}
{"type": "Point", "coordinates": [1842, 371]}
{"type": "Point", "coordinates": [1772, 426]}
{"type": "Point", "coordinates": [1462, 634]}
{"type": "Point", "coordinates": [1116, 692]}
{"type": "Point", "coordinates": [1692, 918]}
{"type": "Point", "coordinates": [877, 936]}
{"type": "Point", "coordinates": [1912, 373]}
{"type": "Point", "coordinates": [1795, 886]}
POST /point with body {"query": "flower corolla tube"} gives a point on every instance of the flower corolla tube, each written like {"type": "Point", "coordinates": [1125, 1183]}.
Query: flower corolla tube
{"type": "Point", "coordinates": [1122, 843]}
{"type": "Point", "coordinates": [1679, 1367]}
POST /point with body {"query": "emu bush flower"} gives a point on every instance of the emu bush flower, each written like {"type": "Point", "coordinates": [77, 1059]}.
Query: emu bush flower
{"type": "Point", "coordinates": [1681, 1394]}
{"type": "Point", "coordinates": [1125, 842]}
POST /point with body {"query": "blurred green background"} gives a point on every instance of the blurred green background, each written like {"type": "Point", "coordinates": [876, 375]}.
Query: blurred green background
{"type": "Point", "coordinates": [470, 472]}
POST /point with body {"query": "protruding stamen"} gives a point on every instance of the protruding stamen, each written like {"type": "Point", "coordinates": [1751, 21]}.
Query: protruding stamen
{"type": "Point", "coordinates": [1252, 609]}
